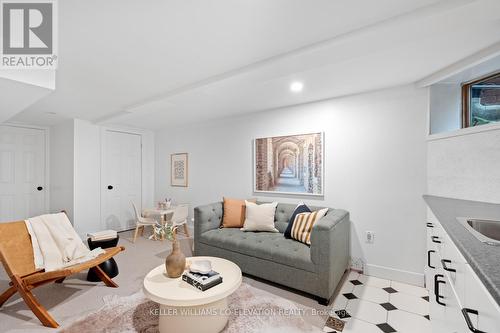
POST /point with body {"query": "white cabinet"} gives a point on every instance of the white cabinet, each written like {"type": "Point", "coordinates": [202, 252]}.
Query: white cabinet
{"type": "Point", "coordinates": [432, 260]}
{"type": "Point", "coordinates": [478, 299]}
{"type": "Point", "coordinates": [445, 309]}
{"type": "Point", "coordinates": [453, 263]}
{"type": "Point", "coordinates": [457, 297]}
{"type": "Point", "coordinates": [453, 320]}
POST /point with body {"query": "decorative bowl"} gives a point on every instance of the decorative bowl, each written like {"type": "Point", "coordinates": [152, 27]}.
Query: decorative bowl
{"type": "Point", "coordinates": [200, 266]}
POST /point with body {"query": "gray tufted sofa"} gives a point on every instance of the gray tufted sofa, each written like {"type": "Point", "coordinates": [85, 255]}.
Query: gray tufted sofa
{"type": "Point", "coordinates": [315, 270]}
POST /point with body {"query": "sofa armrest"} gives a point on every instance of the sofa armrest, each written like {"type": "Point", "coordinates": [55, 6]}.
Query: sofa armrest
{"type": "Point", "coordinates": [207, 218]}
{"type": "Point", "coordinates": [330, 247]}
{"type": "Point", "coordinates": [323, 233]}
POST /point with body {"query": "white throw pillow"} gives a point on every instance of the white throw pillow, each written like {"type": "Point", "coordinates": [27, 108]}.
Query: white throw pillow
{"type": "Point", "coordinates": [260, 217]}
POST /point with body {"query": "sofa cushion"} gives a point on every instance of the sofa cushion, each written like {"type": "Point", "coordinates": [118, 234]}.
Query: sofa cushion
{"type": "Point", "coordinates": [303, 224]}
{"type": "Point", "coordinates": [234, 212]}
{"type": "Point", "coordinates": [284, 212]}
{"type": "Point", "coordinates": [263, 245]}
{"type": "Point", "coordinates": [260, 217]}
{"type": "Point", "coordinates": [301, 208]}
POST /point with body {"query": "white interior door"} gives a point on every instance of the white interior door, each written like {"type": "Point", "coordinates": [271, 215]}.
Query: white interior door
{"type": "Point", "coordinates": [121, 179]}
{"type": "Point", "coordinates": [22, 173]}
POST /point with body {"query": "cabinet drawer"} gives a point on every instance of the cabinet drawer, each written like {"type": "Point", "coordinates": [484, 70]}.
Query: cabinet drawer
{"type": "Point", "coordinates": [477, 298]}
{"type": "Point", "coordinates": [445, 306]}
{"type": "Point", "coordinates": [454, 265]}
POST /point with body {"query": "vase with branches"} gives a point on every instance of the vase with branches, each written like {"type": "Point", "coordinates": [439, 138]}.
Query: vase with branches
{"type": "Point", "coordinates": [175, 263]}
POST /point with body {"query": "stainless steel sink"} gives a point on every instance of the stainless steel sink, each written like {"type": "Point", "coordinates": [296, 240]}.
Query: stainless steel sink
{"type": "Point", "coordinates": [487, 231]}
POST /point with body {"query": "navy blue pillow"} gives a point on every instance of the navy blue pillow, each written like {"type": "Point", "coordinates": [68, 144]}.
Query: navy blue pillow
{"type": "Point", "coordinates": [300, 209]}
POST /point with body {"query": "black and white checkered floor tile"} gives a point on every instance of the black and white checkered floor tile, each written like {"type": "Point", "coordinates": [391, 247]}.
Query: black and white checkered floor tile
{"type": "Point", "coordinates": [367, 304]}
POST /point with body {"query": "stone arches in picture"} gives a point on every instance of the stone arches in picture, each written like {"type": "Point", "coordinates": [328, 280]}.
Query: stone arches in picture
{"type": "Point", "coordinates": [291, 164]}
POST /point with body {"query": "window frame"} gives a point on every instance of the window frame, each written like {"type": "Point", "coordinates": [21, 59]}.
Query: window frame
{"type": "Point", "coordinates": [466, 87]}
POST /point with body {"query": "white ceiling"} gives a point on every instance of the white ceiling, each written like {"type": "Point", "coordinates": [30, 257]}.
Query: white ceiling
{"type": "Point", "coordinates": [165, 63]}
{"type": "Point", "coordinates": [21, 88]}
{"type": "Point", "coordinates": [16, 96]}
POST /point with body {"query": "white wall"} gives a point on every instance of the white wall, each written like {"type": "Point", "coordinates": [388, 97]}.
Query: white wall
{"type": "Point", "coordinates": [445, 107]}
{"type": "Point", "coordinates": [75, 163]}
{"type": "Point", "coordinates": [148, 168]}
{"type": "Point", "coordinates": [375, 162]}
{"type": "Point", "coordinates": [61, 152]}
{"type": "Point", "coordinates": [87, 177]}
{"type": "Point", "coordinates": [466, 165]}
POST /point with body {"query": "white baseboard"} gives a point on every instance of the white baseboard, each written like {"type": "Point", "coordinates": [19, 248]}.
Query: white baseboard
{"type": "Point", "coordinates": [389, 273]}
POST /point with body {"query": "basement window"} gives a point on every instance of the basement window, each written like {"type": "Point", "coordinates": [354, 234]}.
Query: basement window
{"type": "Point", "coordinates": [481, 101]}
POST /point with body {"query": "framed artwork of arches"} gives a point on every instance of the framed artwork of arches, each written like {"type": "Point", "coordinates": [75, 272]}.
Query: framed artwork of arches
{"type": "Point", "coordinates": [291, 164]}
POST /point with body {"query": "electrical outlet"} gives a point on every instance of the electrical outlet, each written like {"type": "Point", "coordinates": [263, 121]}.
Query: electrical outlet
{"type": "Point", "coordinates": [370, 237]}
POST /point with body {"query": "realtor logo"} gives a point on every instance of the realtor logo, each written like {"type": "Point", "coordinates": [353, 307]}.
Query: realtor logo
{"type": "Point", "coordinates": [28, 34]}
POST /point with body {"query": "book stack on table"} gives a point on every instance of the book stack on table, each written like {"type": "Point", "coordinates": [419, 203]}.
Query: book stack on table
{"type": "Point", "coordinates": [102, 235]}
{"type": "Point", "coordinates": [202, 281]}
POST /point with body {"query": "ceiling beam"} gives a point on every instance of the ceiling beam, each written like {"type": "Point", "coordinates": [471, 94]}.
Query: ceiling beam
{"type": "Point", "coordinates": [461, 65]}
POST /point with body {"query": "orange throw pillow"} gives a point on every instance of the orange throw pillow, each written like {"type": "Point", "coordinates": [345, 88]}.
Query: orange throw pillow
{"type": "Point", "coordinates": [234, 213]}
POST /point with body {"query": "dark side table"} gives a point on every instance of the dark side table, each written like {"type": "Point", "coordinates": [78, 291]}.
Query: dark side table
{"type": "Point", "coordinates": [109, 266]}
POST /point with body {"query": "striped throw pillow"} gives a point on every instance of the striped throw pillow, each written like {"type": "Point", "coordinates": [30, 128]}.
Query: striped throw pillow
{"type": "Point", "coordinates": [303, 224]}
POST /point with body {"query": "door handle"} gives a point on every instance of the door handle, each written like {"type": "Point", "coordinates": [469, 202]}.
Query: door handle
{"type": "Point", "coordinates": [435, 239]}
{"type": "Point", "coordinates": [39, 188]}
{"type": "Point", "coordinates": [436, 288]}
{"type": "Point", "coordinates": [110, 187]}
{"type": "Point", "coordinates": [429, 258]}
{"type": "Point", "coordinates": [446, 261]}
{"type": "Point", "coordinates": [430, 225]}
{"type": "Point", "coordinates": [465, 312]}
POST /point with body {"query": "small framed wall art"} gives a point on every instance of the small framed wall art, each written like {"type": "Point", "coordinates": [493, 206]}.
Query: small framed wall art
{"type": "Point", "coordinates": [179, 169]}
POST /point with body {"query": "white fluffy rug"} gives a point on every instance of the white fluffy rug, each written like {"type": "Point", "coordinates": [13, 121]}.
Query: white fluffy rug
{"type": "Point", "coordinates": [132, 314]}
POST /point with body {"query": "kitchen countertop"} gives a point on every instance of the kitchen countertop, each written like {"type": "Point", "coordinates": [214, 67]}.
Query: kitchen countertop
{"type": "Point", "coordinates": [484, 259]}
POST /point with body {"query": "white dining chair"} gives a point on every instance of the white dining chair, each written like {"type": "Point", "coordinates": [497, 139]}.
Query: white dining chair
{"type": "Point", "coordinates": [180, 217]}
{"type": "Point", "coordinates": [141, 222]}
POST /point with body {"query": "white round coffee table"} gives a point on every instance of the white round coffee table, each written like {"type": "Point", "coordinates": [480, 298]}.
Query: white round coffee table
{"type": "Point", "coordinates": [184, 308]}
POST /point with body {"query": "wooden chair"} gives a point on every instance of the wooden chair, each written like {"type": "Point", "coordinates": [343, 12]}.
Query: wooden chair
{"type": "Point", "coordinates": [16, 254]}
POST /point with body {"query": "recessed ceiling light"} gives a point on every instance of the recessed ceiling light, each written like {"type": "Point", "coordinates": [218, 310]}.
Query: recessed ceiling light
{"type": "Point", "coordinates": [296, 86]}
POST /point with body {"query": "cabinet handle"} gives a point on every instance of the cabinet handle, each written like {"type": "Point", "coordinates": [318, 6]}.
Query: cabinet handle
{"type": "Point", "coordinates": [110, 187]}
{"type": "Point", "coordinates": [430, 225]}
{"type": "Point", "coordinates": [465, 312]}
{"type": "Point", "coordinates": [429, 258]}
{"type": "Point", "coordinates": [39, 188]}
{"type": "Point", "coordinates": [436, 288]}
{"type": "Point", "coordinates": [435, 239]}
{"type": "Point", "coordinates": [446, 268]}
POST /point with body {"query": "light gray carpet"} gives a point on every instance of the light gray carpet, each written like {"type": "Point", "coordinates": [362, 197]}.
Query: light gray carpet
{"type": "Point", "coordinates": [76, 297]}
{"type": "Point", "coordinates": [252, 311]}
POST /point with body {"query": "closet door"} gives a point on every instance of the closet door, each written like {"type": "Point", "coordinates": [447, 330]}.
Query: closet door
{"type": "Point", "coordinates": [22, 173]}
{"type": "Point", "coordinates": [121, 179]}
